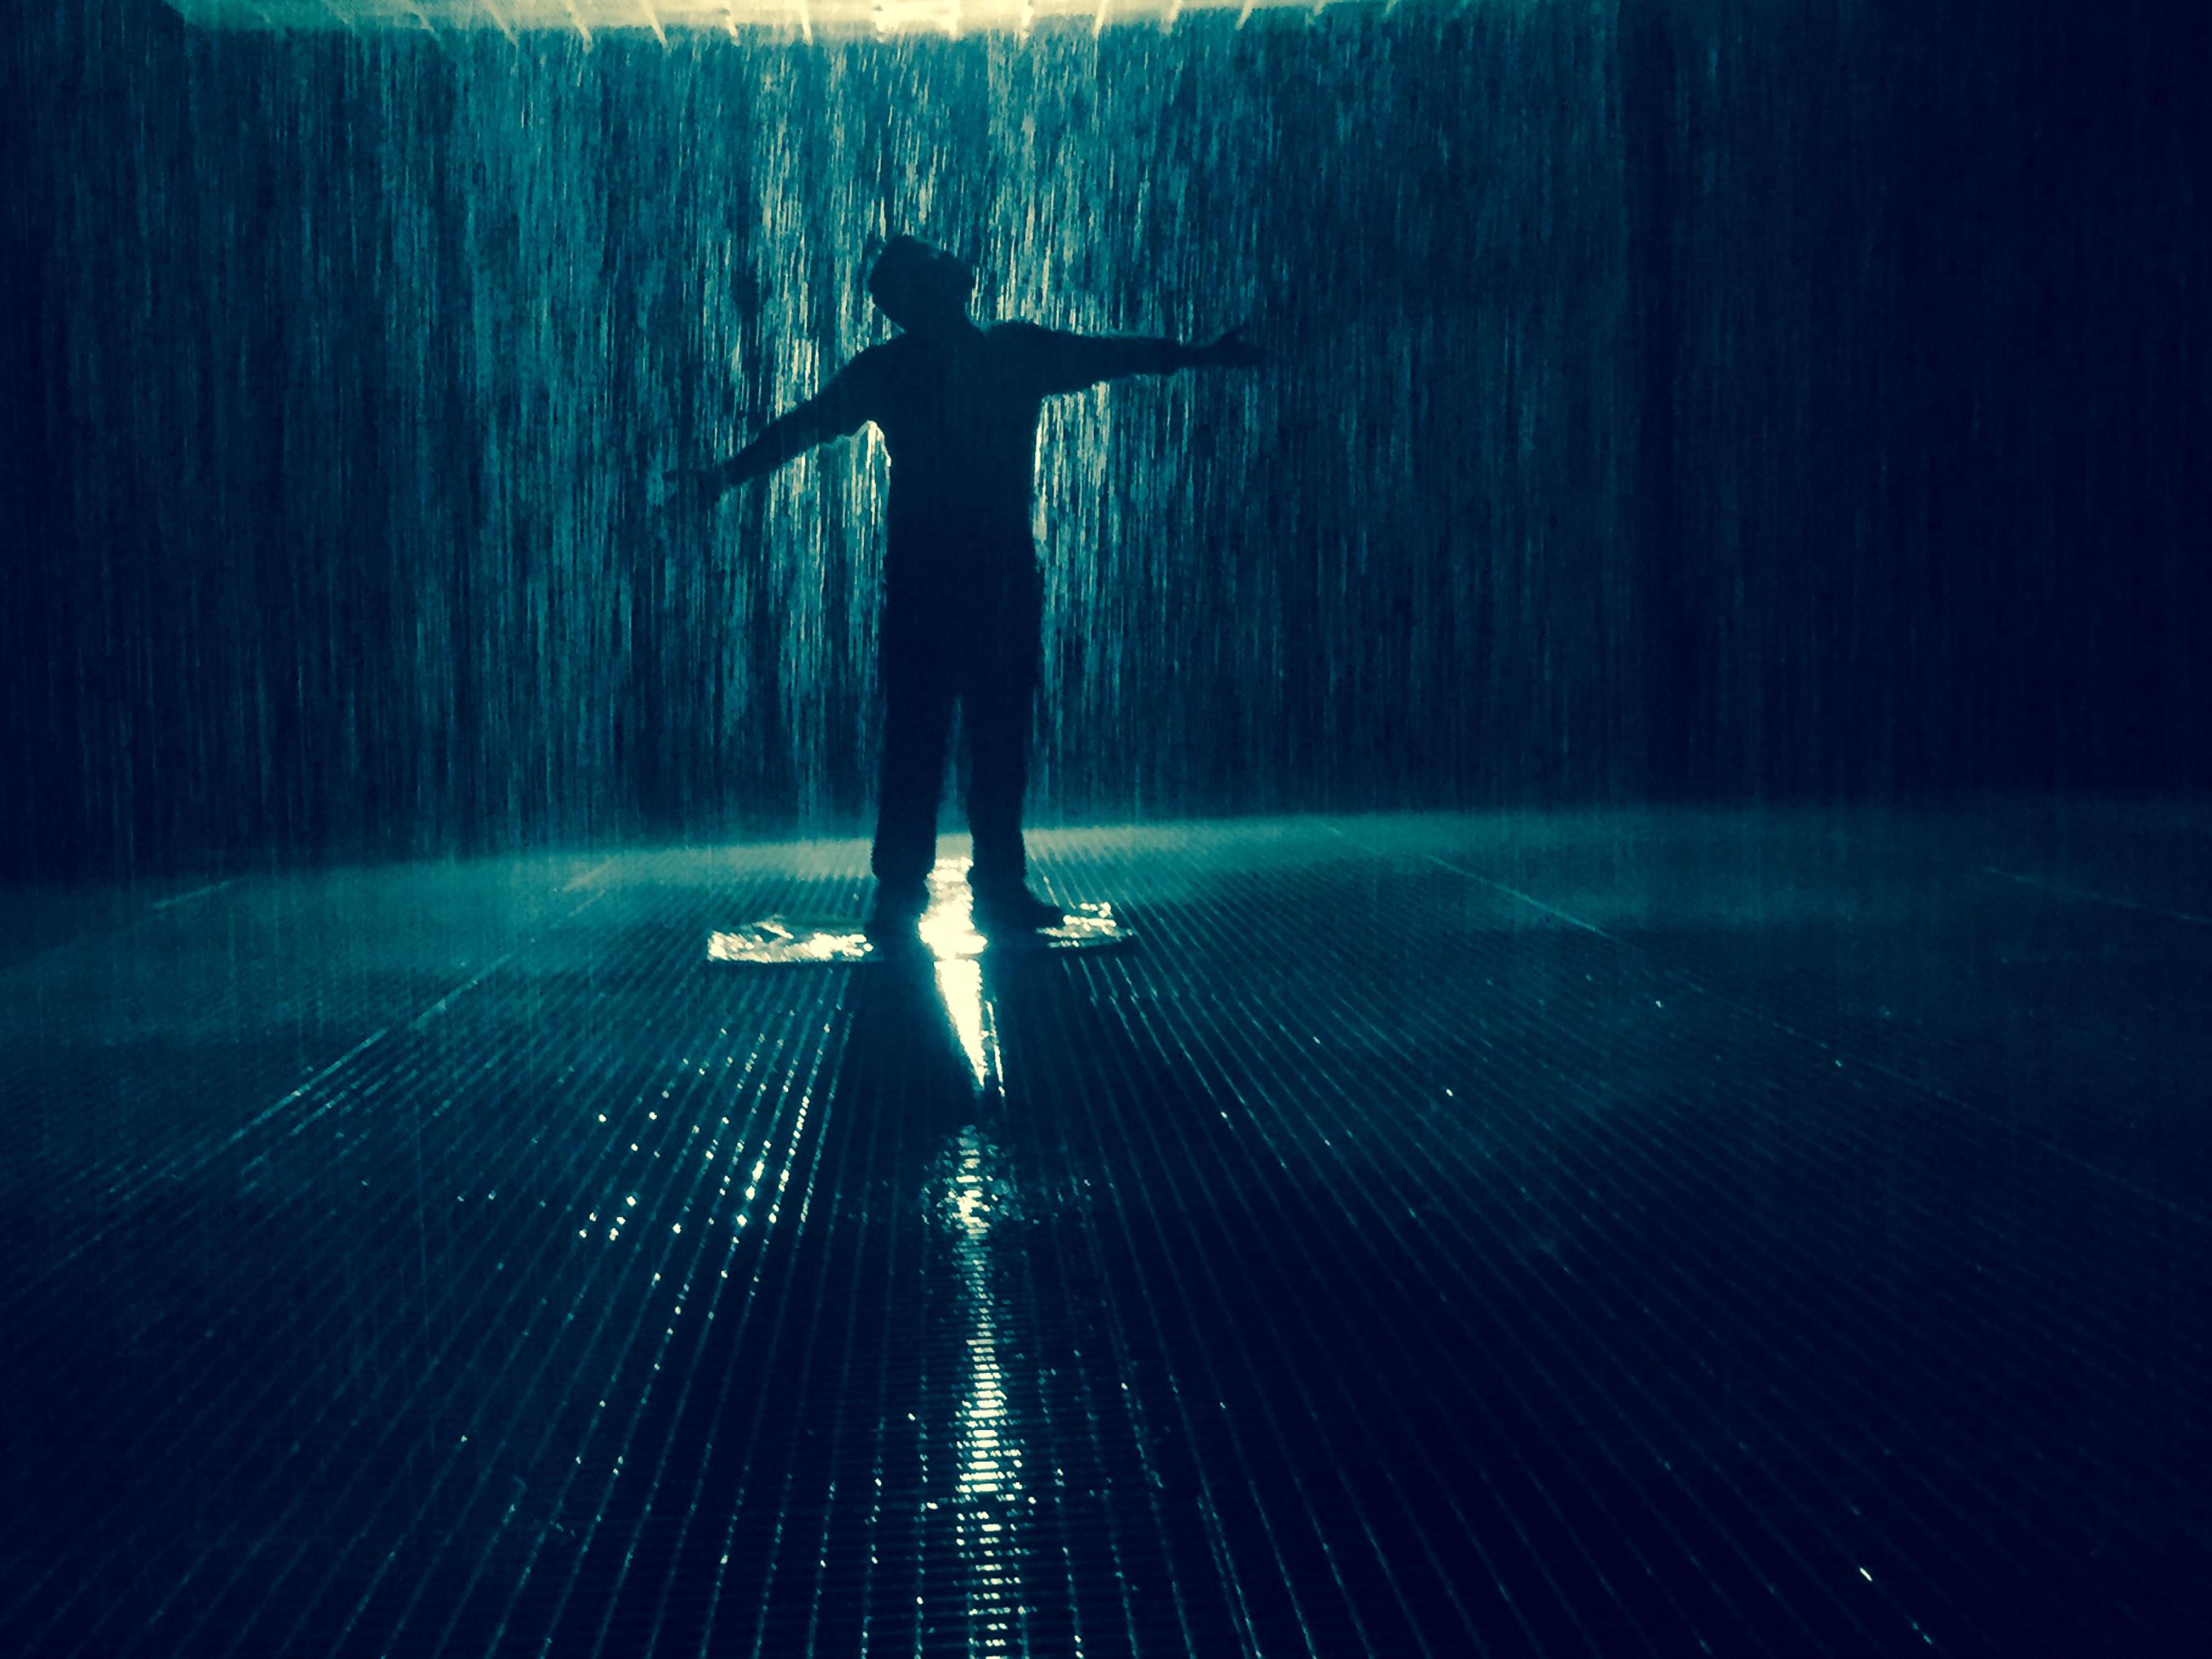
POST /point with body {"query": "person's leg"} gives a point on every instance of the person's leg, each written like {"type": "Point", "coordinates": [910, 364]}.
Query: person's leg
{"type": "Point", "coordinates": [998, 694]}
{"type": "Point", "coordinates": [917, 717]}
{"type": "Point", "coordinates": [996, 709]}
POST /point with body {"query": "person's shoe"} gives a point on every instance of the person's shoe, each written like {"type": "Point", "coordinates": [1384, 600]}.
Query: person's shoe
{"type": "Point", "coordinates": [1015, 910]}
{"type": "Point", "coordinates": [896, 910]}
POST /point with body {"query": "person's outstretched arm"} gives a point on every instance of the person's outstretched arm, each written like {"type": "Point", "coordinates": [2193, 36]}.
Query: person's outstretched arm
{"type": "Point", "coordinates": [837, 410]}
{"type": "Point", "coordinates": [1068, 363]}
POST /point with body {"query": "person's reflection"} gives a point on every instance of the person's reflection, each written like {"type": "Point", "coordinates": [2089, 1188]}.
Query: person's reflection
{"type": "Point", "coordinates": [923, 1044]}
{"type": "Point", "coordinates": [908, 1050]}
{"type": "Point", "coordinates": [957, 404]}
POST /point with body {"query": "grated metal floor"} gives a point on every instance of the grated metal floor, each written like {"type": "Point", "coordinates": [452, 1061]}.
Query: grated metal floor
{"type": "Point", "coordinates": [1749, 1233]}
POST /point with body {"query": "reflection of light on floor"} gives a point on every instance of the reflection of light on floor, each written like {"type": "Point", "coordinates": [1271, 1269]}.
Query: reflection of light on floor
{"type": "Point", "coordinates": [989, 1502]}
{"type": "Point", "coordinates": [776, 942]}
{"type": "Point", "coordinates": [948, 934]}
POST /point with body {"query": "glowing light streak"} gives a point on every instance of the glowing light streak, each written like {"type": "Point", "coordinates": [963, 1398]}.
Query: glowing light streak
{"type": "Point", "coordinates": [664, 19]}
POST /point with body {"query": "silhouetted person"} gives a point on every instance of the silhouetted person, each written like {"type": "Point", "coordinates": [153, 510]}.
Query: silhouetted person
{"type": "Point", "coordinates": [957, 406]}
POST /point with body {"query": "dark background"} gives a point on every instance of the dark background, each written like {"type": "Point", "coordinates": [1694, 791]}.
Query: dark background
{"type": "Point", "coordinates": [1714, 399]}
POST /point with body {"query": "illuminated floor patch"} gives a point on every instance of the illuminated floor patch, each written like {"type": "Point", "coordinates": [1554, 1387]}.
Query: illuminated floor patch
{"type": "Point", "coordinates": [1564, 1235]}
{"type": "Point", "coordinates": [946, 932]}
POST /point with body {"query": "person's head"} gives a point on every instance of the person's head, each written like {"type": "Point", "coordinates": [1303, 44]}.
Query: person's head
{"type": "Point", "coordinates": [919, 287]}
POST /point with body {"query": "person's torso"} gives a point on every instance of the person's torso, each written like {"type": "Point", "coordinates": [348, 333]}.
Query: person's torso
{"type": "Point", "coordinates": [959, 418]}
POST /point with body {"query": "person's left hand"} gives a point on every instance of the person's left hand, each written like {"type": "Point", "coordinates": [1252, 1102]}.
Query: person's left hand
{"type": "Point", "coordinates": [1233, 351]}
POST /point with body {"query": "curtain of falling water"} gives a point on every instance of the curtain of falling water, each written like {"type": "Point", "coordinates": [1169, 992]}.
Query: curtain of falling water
{"type": "Point", "coordinates": [377, 349]}
{"type": "Point", "coordinates": [358, 361]}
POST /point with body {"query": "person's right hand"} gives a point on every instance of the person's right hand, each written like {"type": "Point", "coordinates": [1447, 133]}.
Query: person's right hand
{"type": "Point", "coordinates": [1233, 351]}
{"type": "Point", "coordinates": [696, 486]}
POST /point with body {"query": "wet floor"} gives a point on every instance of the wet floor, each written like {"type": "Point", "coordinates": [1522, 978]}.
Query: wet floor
{"type": "Point", "coordinates": [1754, 1233]}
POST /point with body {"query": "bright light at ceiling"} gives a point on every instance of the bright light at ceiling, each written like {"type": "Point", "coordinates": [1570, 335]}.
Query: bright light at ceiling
{"type": "Point", "coordinates": [670, 18]}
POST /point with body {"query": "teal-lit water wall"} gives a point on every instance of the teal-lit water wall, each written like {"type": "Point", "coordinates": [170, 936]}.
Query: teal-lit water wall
{"type": "Point", "coordinates": [1736, 398]}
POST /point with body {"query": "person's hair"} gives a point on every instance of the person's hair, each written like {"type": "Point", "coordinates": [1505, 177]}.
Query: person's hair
{"type": "Point", "coordinates": [891, 279]}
